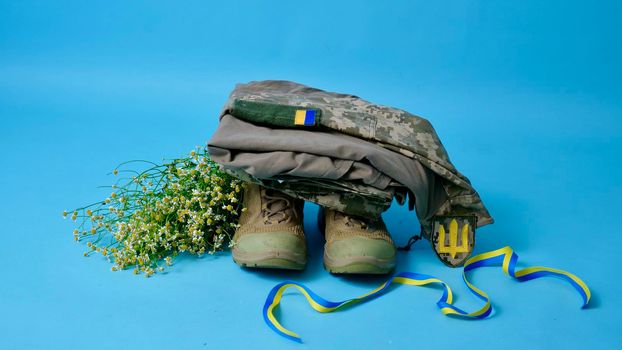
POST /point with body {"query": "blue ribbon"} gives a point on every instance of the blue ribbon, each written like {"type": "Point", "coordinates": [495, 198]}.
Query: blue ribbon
{"type": "Point", "coordinates": [504, 257]}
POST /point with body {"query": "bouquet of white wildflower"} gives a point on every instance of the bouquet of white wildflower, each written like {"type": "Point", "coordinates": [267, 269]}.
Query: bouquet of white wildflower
{"type": "Point", "coordinates": [184, 205]}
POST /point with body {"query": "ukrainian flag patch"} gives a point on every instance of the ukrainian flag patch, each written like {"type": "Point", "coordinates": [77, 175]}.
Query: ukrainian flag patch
{"type": "Point", "coordinates": [305, 117]}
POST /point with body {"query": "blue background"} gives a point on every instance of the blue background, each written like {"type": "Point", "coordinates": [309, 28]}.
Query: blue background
{"type": "Point", "coordinates": [525, 95]}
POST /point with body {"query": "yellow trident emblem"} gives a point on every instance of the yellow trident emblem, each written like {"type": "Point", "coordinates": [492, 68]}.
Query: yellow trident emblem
{"type": "Point", "coordinates": [453, 247]}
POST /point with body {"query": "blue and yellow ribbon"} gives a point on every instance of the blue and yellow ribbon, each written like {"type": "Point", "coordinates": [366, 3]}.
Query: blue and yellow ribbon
{"type": "Point", "coordinates": [504, 257]}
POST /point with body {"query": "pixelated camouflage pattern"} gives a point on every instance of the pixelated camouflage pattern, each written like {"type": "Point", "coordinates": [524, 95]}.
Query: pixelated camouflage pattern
{"type": "Point", "coordinates": [389, 127]}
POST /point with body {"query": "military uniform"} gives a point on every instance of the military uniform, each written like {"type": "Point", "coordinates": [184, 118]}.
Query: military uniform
{"type": "Point", "coordinates": [348, 154]}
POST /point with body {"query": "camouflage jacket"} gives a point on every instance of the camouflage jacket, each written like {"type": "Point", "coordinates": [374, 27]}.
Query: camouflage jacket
{"type": "Point", "coordinates": [283, 104]}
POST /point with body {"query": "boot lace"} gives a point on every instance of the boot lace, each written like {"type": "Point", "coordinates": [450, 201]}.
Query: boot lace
{"type": "Point", "coordinates": [277, 207]}
{"type": "Point", "coordinates": [351, 221]}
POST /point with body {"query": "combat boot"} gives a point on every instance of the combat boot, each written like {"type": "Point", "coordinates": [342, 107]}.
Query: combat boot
{"type": "Point", "coordinates": [271, 232]}
{"type": "Point", "coordinates": [356, 245]}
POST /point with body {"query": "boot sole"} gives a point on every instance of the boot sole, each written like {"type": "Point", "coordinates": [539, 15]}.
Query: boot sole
{"type": "Point", "coordinates": [358, 265]}
{"type": "Point", "coordinates": [269, 260]}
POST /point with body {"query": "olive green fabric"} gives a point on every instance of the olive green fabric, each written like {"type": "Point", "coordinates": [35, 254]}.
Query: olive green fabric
{"type": "Point", "coordinates": [270, 113]}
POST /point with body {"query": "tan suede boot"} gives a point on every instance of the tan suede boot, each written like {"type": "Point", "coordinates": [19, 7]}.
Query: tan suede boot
{"type": "Point", "coordinates": [356, 245]}
{"type": "Point", "coordinates": [271, 232]}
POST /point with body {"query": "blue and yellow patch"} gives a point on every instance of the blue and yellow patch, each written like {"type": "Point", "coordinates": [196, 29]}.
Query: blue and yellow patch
{"type": "Point", "coordinates": [305, 117]}
{"type": "Point", "coordinates": [274, 114]}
